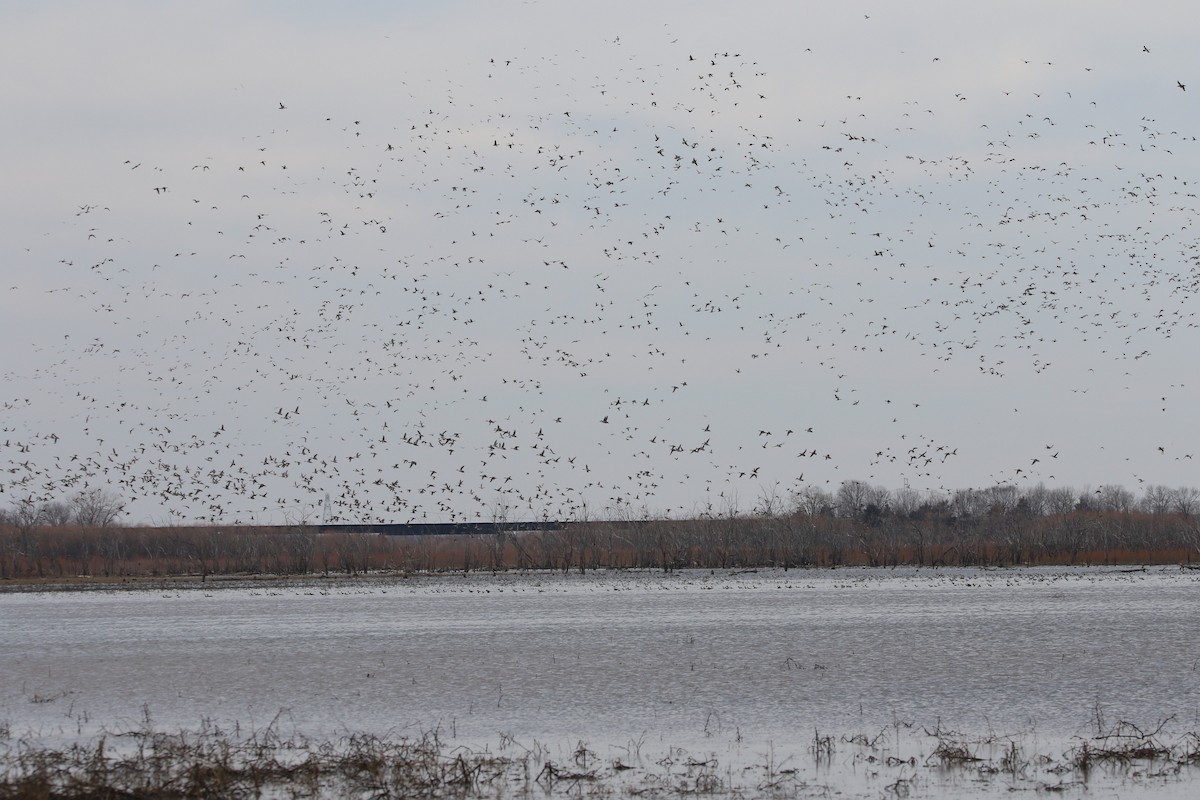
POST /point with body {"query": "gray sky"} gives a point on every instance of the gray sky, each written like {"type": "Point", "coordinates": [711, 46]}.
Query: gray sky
{"type": "Point", "coordinates": [453, 260]}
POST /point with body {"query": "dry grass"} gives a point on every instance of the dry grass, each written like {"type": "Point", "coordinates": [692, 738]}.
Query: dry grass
{"type": "Point", "coordinates": [1126, 742]}
{"type": "Point", "coordinates": [211, 765]}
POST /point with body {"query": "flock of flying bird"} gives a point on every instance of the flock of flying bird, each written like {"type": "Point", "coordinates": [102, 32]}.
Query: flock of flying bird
{"type": "Point", "coordinates": [637, 285]}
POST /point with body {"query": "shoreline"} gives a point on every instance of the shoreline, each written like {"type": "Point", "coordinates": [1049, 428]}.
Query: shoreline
{"type": "Point", "coordinates": [85, 583]}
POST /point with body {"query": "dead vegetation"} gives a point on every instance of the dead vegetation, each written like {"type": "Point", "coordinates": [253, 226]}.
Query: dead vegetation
{"type": "Point", "coordinates": [936, 537]}
{"type": "Point", "coordinates": [212, 763]}
{"type": "Point", "coordinates": [1125, 743]}
{"type": "Point", "coordinates": [1128, 753]}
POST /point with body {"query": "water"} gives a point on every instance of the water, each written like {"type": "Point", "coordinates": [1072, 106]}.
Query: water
{"type": "Point", "coordinates": [745, 667]}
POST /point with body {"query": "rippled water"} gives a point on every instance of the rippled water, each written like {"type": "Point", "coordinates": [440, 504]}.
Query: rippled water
{"type": "Point", "coordinates": [733, 664]}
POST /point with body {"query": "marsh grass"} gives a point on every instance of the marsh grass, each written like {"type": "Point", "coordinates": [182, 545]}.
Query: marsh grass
{"type": "Point", "coordinates": [213, 763]}
{"type": "Point", "coordinates": [1126, 742]}
{"type": "Point", "coordinates": [209, 764]}
{"type": "Point", "coordinates": [822, 747]}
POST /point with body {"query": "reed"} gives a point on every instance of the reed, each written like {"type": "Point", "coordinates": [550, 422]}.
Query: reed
{"type": "Point", "coordinates": [212, 763]}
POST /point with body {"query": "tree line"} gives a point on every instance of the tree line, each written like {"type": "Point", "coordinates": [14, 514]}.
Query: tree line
{"type": "Point", "coordinates": [856, 524]}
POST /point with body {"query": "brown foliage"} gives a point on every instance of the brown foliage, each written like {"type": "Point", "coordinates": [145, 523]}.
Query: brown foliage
{"type": "Point", "coordinates": [726, 542]}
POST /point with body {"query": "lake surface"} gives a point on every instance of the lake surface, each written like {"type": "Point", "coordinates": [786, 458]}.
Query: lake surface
{"type": "Point", "coordinates": [746, 668]}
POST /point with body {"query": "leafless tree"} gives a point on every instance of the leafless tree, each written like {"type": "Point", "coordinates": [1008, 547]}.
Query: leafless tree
{"type": "Point", "coordinates": [1002, 499]}
{"type": "Point", "coordinates": [1112, 497]}
{"type": "Point", "coordinates": [812, 500]}
{"type": "Point", "coordinates": [499, 539]}
{"type": "Point", "coordinates": [1157, 499]}
{"type": "Point", "coordinates": [906, 501]}
{"type": "Point", "coordinates": [770, 504]}
{"type": "Point", "coordinates": [880, 497]}
{"type": "Point", "coordinates": [968, 503]}
{"type": "Point", "coordinates": [96, 508]}
{"type": "Point", "coordinates": [1060, 500]}
{"type": "Point", "coordinates": [56, 513]}
{"type": "Point", "coordinates": [852, 498]}
{"type": "Point", "coordinates": [1037, 500]}
{"type": "Point", "coordinates": [25, 514]}
{"type": "Point", "coordinates": [1187, 500]}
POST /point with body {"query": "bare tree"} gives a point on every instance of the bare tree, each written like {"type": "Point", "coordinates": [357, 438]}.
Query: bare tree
{"type": "Point", "coordinates": [880, 497]}
{"type": "Point", "coordinates": [500, 537]}
{"type": "Point", "coordinates": [812, 500]}
{"type": "Point", "coordinates": [906, 501]}
{"type": "Point", "coordinates": [1037, 500]}
{"type": "Point", "coordinates": [1001, 499]}
{"type": "Point", "coordinates": [25, 514]}
{"type": "Point", "coordinates": [1060, 500]}
{"type": "Point", "coordinates": [1187, 500]}
{"type": "Point", "coordinates": [1113, 497]}
{"type": "Point", "coordinates": [852, 498]}
{"type": "Point", "coordinates": [770, 504]}
{"type": "Point", "coordinates": [968, 503]}
{"type": "Point", "coordinates": [96, 508]}
{"type": "Point", "coordinates": [1157, 499]}
{"type": "Point", "coordinates": [57, 513]}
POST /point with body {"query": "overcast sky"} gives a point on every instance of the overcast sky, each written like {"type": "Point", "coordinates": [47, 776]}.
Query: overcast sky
{"type": "Point", "coordinates": [462, 259]}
